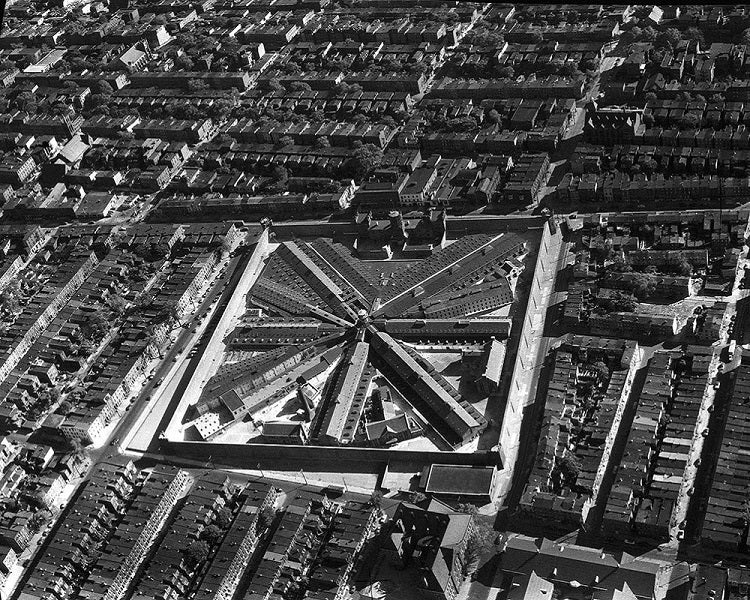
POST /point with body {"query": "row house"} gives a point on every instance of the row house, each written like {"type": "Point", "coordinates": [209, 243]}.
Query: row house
{"type": "Point", "coordinates": [16, 170]}
{"type": "Point", "coordinates": [94, 511]}
{"type": "Point", "coordinates": [728, 139]}
{"type": "Point", "coordinates": [133, 537]}
{"type": "Point", "coordinates": [524, 33]}
{"type": "Point", "coordinates": [172, 129]}
{"type": "Point", "coordinates": [233, 556]}
{"type": "Point", "coordinates": [528, 178]}
{"type": "Point", "coordinates": [550, 87]}
{"type": "Point", "coordinates": [338, 28]}
{"type": "Point", "coordinates": [44, 311]}
{"type": "Point", "coordinates": [338, 134]}
{"type": "Point", "coordinates": [167, 573]}
{"type": "Point", "coordinates": [272, 36]}
{"type": "Point", "coordinates": [249, 207]}
{"type": "Point", "coordinates": [181, 79]}
{"type": "Point", "coordinates": [21, 122]}
{"type": "Point", "coordinates": [723, 524]}
{"type": "Point", "coordinates": [640, 451]}
{"type": "Point", "coordinates": [305, 102]}
{"type": "Point", "coordinates": [620, 188]}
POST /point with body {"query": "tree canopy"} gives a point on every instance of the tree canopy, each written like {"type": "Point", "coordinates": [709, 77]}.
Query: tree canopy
{"type": "Point", "coordinates": [196, 553]}
{"type": "Point", "coordinates": [363, 161]}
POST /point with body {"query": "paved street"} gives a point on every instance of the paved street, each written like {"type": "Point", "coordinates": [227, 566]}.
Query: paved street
{"type": "Point", "coordinates": [143, 400]}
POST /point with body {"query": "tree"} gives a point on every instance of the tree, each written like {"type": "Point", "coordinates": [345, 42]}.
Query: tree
{"type": "Point", "coordinates": [280, 174]}
{"type": "Point", "coordinates": [643, 285]}
{"type": "Point", "coordinates": [746, 36]}
{"type": "Point", "coordinates": [602, 370]}
{"type": "Point", "coordinates": [690, 120]}
{"type": "Point", "coordinates": [184, 63]}
{"type": "Point", "coordinates": [376, 499]}
{"type": "Point", "coordinates": [117, 304]}
{"type": "Point", "coordinates": [104, 88]}
{"type": "Point", "coordinates": [364, 159]}
{"type": "Point", "coordinates": [37, 499]}
{"type": "Point", "coordinates": [633, 35]}
{"type": "Point", "coordinates": [221, 108]}
{"type": "Point", "coordinates": [472, 556]}
{"type": "Point", "coordinates": [460, 124]}
{"type": "Point", "coordinates": [668, 38]}
{"type": "Point", "coordinates": [553, 67]}
{"type": "Point", "coordinates": [322, 142]}
{"type": "Point", "coordinates": [197, 85]}
{"type": "Point", "coordinates": [10, 298]}
{"type": "Point", "coordinates": [153, 252]}
{"type": "Point", "coordinates": [27, 101]}
{"type": "Point", "coordinates": [46, 398]}
{"type": "Point", "coordinates": [38, 520]}
{"type": "Point", "coordinates": [65, 407]}
{"type": "Point", "coordinates": [484, 37]}
{"type": "Point", "coordinates": [620, 301]}
{"type": "Point", "coordinates": [483, 540]}
{"type": "Point", "coordinates": [569, 70]}
{"type": "Point", "coordinates": [506, 72]}
{"type": "Point", "coordinates": [620, 265]}
{"type": "Point", "coordinates": [535, 37]}
{"type": "Point", "coordinates": [77, 447]}
{"type": "Point", "coordinates": [94, 327]}
{"type": "Point", "coordinates": [417, 497]}
{"type": "Point", "coordinates": [389, 121]}
{"type": "Point", "coordinates": [648, 35]}
{"type": "Point", "coordinates": [589, 64]}
{"type": "Point", "coordinates": [684, 267]}
{"type": "Point", "coordinates": [187, 112]}
{"type": "Point", "coordinates": [196, 553]}
{"type": "Point", "coordinates": [223, 517]}
{"type": "Point", "coordinates": [276, 85]}
{"type": "Point", "coordinates": [493, 117]}
{"type": "Point", "coordinates": [650, 166]}
{"type": "Point", "coordinates": [299, 86]}
{"type": "Point", "coordinates": [340, 89]}
{"type": "Point", "coordinates": [694, 34]}
{"type": "Point", "coordinates": [266, 517]}
{"type": "Point", "coordinates": [212, 534]}
{"type": "Point", "coordinates": [570, 468]}
{"type": "Point", "coordinates": [286, 141]}
{"type": "Point", "coordinates": [469, 509]}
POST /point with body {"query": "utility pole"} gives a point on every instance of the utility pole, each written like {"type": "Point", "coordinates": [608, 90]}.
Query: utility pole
{"type": "Point", "coordinates": [303, 476]}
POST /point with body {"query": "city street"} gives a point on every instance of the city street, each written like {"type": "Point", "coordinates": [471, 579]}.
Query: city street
{"type": "Point", "coordinates": [147, 398]}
